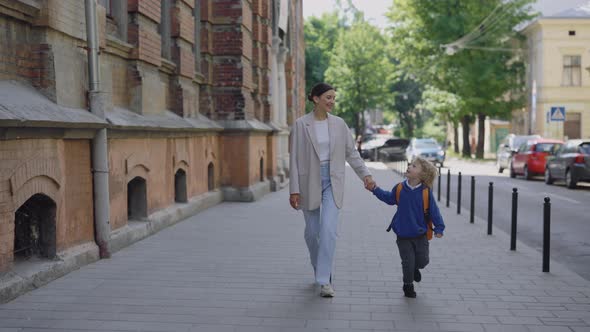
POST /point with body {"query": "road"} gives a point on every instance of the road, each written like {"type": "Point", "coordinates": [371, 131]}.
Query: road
{"type": "Point", "coordinates": [570, 209]}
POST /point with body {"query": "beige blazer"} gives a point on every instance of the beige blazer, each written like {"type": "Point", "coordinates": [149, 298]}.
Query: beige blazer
{"type": "Point", "coordinates": [304, 176]}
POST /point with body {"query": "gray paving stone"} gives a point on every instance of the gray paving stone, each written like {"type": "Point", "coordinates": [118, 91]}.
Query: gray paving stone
{"type": "Point", "coordinates": [244, 267]}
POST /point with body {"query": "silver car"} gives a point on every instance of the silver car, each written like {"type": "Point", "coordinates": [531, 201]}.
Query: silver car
{"type": "Point", "coordinates": [427, 148]}
{"type": "Point", "coordinates": [571, 163]}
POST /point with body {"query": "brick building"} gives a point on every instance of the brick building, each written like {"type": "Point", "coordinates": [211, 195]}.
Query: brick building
{"type": "Point", "coordinates": [195, 98]}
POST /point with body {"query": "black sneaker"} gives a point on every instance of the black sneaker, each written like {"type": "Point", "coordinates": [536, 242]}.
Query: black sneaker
{"type": "Point", "coordinates": [409, 291]}
{"type": "Point", "coordinates": [417, 275]}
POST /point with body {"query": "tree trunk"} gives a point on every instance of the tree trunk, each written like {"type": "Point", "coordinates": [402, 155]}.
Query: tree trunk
{"type": "Point", "coordinates": [466, 151]}
{"type": "Point", "coordinates": [481, 131]}
{"type": "Point", "coordinates": [456, 136]}
{"type": "Point", "coordinates": [407, 119]}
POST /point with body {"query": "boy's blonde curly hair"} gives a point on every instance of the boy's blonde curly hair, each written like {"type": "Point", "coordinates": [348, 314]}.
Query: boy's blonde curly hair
{"type": "Point", "coordinates": [429, 171]}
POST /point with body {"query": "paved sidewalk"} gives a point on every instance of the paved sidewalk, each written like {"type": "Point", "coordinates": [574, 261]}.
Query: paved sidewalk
{"type": "Point", "coordinates": [244, 267]}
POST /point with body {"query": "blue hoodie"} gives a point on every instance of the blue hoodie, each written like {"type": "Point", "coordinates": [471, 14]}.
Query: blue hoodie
{"type": "Point", "coordinates": [408, 221]}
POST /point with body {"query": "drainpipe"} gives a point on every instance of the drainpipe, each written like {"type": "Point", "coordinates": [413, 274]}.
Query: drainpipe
{"type": "Point", "coordinates": [100, 165]}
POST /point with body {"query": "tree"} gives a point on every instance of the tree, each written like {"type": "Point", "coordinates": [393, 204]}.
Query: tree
{"type": "Point", "coordinates": [482, 73]}
{"type": "Point", "coordinates": [446, 106]}
{"type": "Point", "coordinates": [357, 69]}
{"type": "Point", "coordinates": [320, 36]}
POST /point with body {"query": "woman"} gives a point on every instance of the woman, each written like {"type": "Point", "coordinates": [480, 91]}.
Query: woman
{"type": "Point", "coordinates": [320, 144]}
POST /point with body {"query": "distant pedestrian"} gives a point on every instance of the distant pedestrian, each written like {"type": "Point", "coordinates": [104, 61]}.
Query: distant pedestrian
{"type": "Point", "coordinates": [412, 222]}
{"type": "Point", "coordinates": [320, 145]}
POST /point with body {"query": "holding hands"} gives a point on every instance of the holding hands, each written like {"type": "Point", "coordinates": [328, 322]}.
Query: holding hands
{"type": "Point", "coordinates": [370, 183]}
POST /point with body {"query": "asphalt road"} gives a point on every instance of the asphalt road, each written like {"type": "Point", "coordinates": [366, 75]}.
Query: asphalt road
{"type": "Point", "coordinates": [570, 209]}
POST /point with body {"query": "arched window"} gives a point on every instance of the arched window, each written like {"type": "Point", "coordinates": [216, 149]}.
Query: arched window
{"type": "Point", "coordinates": [180, 186]}
{"type": "Point", "coordinates": [210, 177]}
{"type": "Point", "coordinates": [34, 229]}
{"type": "Point", "coordinates": [137, 198]}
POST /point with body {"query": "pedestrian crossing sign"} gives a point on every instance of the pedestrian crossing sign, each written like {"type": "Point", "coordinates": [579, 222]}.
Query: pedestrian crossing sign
{"type": "Point", "coordinates": [557, 114]}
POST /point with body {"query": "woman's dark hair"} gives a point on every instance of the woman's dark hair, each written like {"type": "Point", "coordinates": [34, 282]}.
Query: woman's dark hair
{"type": "Point", "coordinates": [318, 90]}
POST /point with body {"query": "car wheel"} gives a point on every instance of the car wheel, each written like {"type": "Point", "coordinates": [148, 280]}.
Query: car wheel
{"type": "Point", "coordinates": [570, 182]}
{"type": "Point", "coordinates": [548, 178]}
{"type": "Point", "coordinates": [527, 175]}
{"type": "Point", "coordinates": [512, 172]}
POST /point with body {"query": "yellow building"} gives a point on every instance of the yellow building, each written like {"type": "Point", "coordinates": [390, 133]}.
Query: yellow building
{"type": "Point", "coordinates": [558, 76]}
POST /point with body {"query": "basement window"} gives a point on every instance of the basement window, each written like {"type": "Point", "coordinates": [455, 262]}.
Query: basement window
{"type": "Point", "coordinates": [210, 177]}
{"type": "Point", "coordinates": [572, 32]}
{"type": "Point", "coordinates": [137, 199]}
{"type": "Point", "coordinates": [34, 229]}
{"type": "Point", "coordinates": [180, 195]}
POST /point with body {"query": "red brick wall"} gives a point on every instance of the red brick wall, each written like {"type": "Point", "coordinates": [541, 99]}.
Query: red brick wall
{"type": "Point", "coordinates": [32, 166]}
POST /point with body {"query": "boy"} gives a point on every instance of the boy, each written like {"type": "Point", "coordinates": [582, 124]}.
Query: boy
{"type": "Point", "coordinates": [410, 222]}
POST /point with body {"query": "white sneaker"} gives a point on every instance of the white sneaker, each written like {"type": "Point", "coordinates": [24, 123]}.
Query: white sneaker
{"type": "Point", "coordinates": [326, 290]}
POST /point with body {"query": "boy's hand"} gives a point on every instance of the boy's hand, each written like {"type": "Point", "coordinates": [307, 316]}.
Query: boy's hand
{"type": "Point", "coordinates": [438, 235]}
{"type": "Point", "coordinates": [370, 183]}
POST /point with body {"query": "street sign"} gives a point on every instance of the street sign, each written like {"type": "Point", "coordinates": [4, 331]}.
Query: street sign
{"type": "Point", "coordinates": [557, 114]}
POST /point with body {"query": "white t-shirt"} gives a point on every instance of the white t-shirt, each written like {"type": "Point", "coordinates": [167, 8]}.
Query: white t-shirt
{"type": "Point", "coordinates": [323, 136]}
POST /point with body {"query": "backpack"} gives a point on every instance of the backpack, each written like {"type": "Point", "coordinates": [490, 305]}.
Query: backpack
{"type": "Point", "coordinates": [426, 205]}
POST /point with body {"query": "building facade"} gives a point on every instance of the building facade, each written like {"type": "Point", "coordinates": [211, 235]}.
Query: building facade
{"type": "Point", "coordinates": [558, 76]}
{"type": "Point", "coordinates": [192, 100]}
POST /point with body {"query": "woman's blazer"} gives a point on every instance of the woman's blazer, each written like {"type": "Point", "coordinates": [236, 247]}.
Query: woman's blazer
{"type": "Point", "coordinates": [304, 168]}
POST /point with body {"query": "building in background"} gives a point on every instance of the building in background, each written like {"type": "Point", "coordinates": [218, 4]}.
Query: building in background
{"type": "Point", "coordinates": [195, 98]}
{"type": "Point", "coordinates": [558, 76]}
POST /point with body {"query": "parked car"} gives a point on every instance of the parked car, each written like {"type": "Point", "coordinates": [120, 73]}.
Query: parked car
{"type": "Point", "coordinates": [530, 158]}
{"type": "Point", "coordinates": [370, 143]}
{"type": "Point", "coordinates": [508, 147]}
{"type": "Point", "coordinates": [427, 148]}
{"type": "Point", "coordinates": [394, 149]}
{"type": "Point", "coordinates": [571, 163]}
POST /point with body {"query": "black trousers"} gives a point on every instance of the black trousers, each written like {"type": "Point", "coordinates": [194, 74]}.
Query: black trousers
{"type": "Point", "coordinates": [414, 254]}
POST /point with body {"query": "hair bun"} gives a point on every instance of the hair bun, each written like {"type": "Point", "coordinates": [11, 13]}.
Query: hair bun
{"type": "Point", "coordinates": [309, 97]}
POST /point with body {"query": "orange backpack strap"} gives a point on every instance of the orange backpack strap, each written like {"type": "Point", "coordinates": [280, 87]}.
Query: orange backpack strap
{"type": "Point", "coordinates": [398, 191]}
{"type": "Point", "coordinates": [426, 206]}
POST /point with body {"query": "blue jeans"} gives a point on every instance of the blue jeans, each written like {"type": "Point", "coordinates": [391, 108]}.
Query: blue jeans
{"type": "Point", "coordinates": [321, 230]}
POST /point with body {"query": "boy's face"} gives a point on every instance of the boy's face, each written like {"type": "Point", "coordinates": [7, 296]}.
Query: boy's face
{"type": "Point", "coordinates": [414, 171]}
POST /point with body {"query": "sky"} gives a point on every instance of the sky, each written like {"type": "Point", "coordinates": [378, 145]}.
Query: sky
{"type": "Point", "coordinates": [374, 9]}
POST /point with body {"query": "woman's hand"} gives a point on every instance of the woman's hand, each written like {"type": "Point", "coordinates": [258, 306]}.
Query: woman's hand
{"type": "Point", "coordinates": [294, 201]}
{"type": "Point", "coordinates": [438, 235]}
{"type": "Point", "coordinates": [369, 183]}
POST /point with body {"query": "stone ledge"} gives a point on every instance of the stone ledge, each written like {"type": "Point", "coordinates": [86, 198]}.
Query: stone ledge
{"type": "Point", "coordinates": [35, 273]}
{"type": "Point", "coordinates": [248, 194]}
{"type": "Point", "coordinates": [138, 230]}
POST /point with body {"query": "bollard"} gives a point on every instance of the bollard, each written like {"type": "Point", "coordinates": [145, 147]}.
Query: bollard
{"type": "Point", "coordinates": [438, 187]}
{"type": "Point", "coordinates": [448, 187]}
{"type": "Point", "coordinates": [472, 214]}
{"type": "Point", "coordinates": [514, 214]}
{"type": "Point", "coordinates": [546, 233]}
{"type": "Point", "coordinates": [459, 195]}
{"type": "Point", "coordinates": [490, 206]}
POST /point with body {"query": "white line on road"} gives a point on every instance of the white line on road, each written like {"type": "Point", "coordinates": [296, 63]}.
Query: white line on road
{"type": "Point", "coordinates": [561, 197]}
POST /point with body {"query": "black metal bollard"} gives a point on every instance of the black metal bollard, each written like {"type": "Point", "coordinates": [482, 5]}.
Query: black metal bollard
{"type": "Point", "coordinates": [459, 194]}
{"type": "Point", "coordinates": [514, 214]}
{"type": "Point", "coordinates": [472, 213]}
{"type": "Point", "coordinates": [438, 187]}
{"type": "Point", "coordinates": [448, 187]}
{"type": "Point", "coordinates": [490, 206]}
{"type": "Point", "coordinates": [546, 233]}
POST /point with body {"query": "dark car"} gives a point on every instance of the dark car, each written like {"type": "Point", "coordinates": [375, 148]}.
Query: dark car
{"type": "Point", "coordinates": [394, 149]}
{"type": "Point", "coordinates": [570, 163]}
{"type": "Point", "coordinates": [508, 147]}
{"type": "Point", "coordinates": [370, 145]}
{"type": "Point", "coordinates": [530, 159]}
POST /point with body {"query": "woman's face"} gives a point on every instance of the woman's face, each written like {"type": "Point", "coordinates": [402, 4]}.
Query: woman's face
{"type": "Point", "coordinates": [326, 101]}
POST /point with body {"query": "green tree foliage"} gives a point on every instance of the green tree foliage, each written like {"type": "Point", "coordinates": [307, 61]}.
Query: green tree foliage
{"type": "Point", "coordinates": [320, 36]}
{"type": "Point", "coordinates": [358, 68]}
{"type": "Point", "coordinates": [482, 72]}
